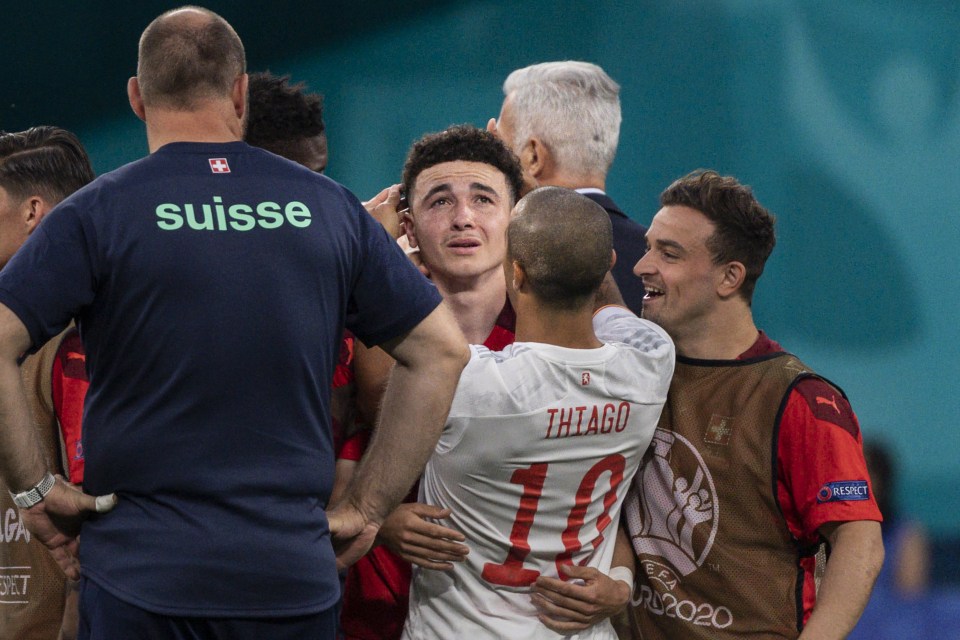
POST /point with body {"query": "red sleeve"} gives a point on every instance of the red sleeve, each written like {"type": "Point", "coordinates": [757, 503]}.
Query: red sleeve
{"type": "Point", "coordinates": [355, 445]}
{"type": "Point", "coordinates": [821, 473]}
{"type": "Point", "coordinates": [69, 390]}
{"type": "Point", "coordinates": [343, 372]}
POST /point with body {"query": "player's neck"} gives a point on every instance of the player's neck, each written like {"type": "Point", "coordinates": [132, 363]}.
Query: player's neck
{"type": "Point", "coordinates": [475, 305]}
{"type": "Point", "coordinates": [216, 123]}
{"type": "Point", "coordinates": [719, 337]}
{"type": "Point", "coordinates": [563, 328]}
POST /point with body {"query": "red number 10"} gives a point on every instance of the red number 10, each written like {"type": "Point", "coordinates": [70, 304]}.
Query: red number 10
{"type": "Point", "coordinates": [511, 573]}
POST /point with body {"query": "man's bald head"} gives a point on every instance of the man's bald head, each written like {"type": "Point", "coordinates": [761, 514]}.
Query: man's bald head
{"type": "Point", "coordinates": [188, 55]}
{"type": "Point", "coordinates": [564, 243]}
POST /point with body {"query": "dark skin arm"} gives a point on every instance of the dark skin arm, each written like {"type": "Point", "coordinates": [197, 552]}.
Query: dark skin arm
{"type": "Point", "coordinates": [55, 520]}
{"type": "Point", "coordinates": [429, 361]}
{"type": "Point", "coordinates": [408, 530]}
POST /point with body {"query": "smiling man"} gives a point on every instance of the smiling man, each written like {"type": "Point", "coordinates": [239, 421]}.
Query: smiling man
{"type": "Point", "coordinates": [752, 513]}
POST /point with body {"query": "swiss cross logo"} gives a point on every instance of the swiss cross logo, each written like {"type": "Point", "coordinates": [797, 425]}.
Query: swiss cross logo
{"type": "Point", "coordinates": [585, 378]}
{"type": "Point", "coordinates": [219, 165]}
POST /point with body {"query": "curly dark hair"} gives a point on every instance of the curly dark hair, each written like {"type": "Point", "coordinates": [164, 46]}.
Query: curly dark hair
{"type": "Point", "coordinates": [462, 142]}
{"type": "Point", "coordinates": [744, 228]}
{"type": "Point", "coordinates": [280, 111]}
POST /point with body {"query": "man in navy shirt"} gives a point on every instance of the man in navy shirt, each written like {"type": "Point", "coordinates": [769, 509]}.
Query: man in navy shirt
{"type": "Point", "coordinates": [211, 282]}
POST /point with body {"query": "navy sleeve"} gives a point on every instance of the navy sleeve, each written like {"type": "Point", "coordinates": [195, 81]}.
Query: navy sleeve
{"type": "Point", "coordinates": [390, 296]}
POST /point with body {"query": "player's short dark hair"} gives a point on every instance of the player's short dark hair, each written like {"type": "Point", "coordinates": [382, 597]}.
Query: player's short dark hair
{"type": "Point", "coordinates": [744, 228]}
{"type": "Point", "coordinates": [564, 242]}
{"type": "Point", "coordinates": [44, 160]}
{"type": "Point", "coordinates": [280, 112]}
{"type": "Point", "coordinates": [185, 58]}
{"type": "Point", "coordinates": [462, 142]}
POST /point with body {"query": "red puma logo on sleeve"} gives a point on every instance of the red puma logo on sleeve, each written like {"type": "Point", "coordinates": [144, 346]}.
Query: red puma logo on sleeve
{"type": "Point", "coordinates": [830, 403]}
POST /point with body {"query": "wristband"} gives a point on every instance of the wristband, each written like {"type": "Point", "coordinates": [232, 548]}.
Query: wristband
{"type": "Point", "coordinates": [623, 574]}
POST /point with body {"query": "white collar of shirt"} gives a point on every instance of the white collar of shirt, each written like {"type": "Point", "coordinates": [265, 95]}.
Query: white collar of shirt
{"type": "Point", "coordinates": [591, 190]}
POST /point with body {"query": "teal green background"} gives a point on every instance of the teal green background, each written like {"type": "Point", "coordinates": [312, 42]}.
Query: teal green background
{"type": "Point", "coordinates": [843, 116]}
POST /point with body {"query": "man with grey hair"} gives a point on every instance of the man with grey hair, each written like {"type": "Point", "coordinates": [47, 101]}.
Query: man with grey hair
{"type": "Point", "coordinates": [212, 281]}
{"type": "Point", "coordinates": [562, 119]}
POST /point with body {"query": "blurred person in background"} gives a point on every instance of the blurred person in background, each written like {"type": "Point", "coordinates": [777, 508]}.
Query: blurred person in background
{"type": "Point", "coordinates": [897, 607]}
{"type": "Point", "coordinates": [285, 119]}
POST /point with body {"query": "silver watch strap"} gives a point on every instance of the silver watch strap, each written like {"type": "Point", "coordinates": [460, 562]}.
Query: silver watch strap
{"type": "Point", "coordinates": [36, 493]}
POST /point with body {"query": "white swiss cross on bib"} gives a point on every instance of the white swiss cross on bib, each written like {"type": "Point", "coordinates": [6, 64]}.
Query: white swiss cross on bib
{"type": "Point", "coordinates": [219, 165]}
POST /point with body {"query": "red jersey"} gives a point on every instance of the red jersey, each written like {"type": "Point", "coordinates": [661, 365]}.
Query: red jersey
{"type": "Point", "coordinates": [342, 392]}
{"type": "Point", "coordinates": [819, 454]}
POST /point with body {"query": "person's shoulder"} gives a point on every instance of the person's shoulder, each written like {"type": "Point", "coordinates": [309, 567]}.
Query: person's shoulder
{"type": "Point", "coordinates": [481, 355]}
{"type": "Point", "coordinates": [479, 380]}
{"type": "Point", "coordinates": [132, 175]}
{"type": "Point", "coordinates": [820, 394]}
{"type": "Point", "coordinates": [488, 367]}
{"type": "Point", "coordinates": [620, 325]}
{"type": "Point", "coordinates": [272, 167]}
{"type": "Point", "coordinates": [826, 403]}
{"type": "Point", "coordinates": [619, 218]}
{"type": "Point", "coordinates": [83, 202]}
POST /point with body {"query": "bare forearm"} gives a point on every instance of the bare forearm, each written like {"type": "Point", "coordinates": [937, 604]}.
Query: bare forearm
{"type": "Point", "coordinates": [21, 461]}
{"type": "Point", "coordinates": [20, 458]}
{"type": "Point", "coordinates": [371, 371]}
{"type": "Point", "coordinates": [413, 412]}
{"type": "Point", "coordinates": [855, 560]}
{"type": "Point", "coordinates": [405, 437]}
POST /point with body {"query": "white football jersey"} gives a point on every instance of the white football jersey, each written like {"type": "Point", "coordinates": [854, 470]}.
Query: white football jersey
{"type": "Point", "coordinates": [534, 462]}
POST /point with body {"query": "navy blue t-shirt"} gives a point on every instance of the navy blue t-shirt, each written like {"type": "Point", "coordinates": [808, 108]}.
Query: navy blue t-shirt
{"type": "Point", "coordinates": [211, 283]}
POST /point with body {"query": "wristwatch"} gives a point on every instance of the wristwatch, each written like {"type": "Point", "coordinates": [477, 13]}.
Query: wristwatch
{"type": "Point", "coordinates": [36, 493]}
